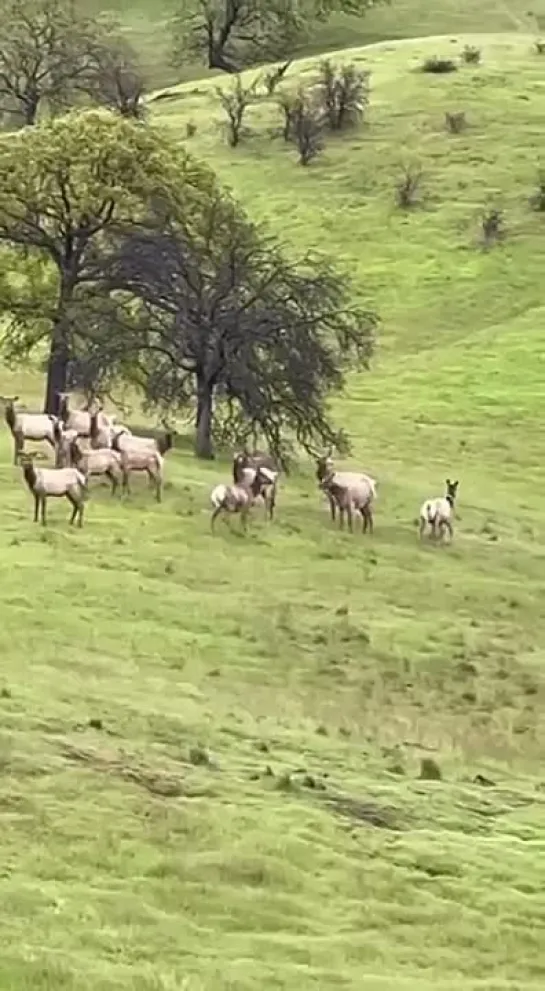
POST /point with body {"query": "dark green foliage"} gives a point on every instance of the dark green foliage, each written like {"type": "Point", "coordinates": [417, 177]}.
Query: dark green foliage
{"type": "Point", "coordinates": [439, 66]}
{"type": "Point", "coordinates": [471, 55]}
{"type": "Point", "coordinates": [456, 122]}
{"type": "Point", "coordinates": [430, 770]}
{"type": "Point", "coordinates": [63, 184]}
{"type": "Point", "coordinates": [342, 94]}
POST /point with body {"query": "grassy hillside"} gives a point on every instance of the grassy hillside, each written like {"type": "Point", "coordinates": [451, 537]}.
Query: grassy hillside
{"type": "Point", "coordinates": [147, 24]}
{"type": "Point", "coordinates": [211, 746]}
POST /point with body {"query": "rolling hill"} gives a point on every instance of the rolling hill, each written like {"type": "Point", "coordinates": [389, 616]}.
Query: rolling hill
{"type": "Point", "coordinates": [300, 759]}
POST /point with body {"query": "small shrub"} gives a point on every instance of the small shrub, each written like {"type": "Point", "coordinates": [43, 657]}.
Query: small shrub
{"type": "Point", "coordinates": [235, 101]}
{"type": "Point", "coordinates": [199, 756]}
{"type": "Point", "coordinates": [429, 770]}
{"type": "Point", "coordinates": [273, 78]}
{"type": "Point", "coordinates": [303, 124]}
{"type": "Point", "coordinates": [286, 102]}
{"type": "Point", "coordinates": [455, 123]}
{"type": "Point", "coordinates": [540, 46]}
{"type": "Point", "coordinates": [342, 94]}
{"type": "Point", "coordinates": [493, 228]}
{"type": "Point", "coordinates": [537, 199]}
{"type": "Point", "coordinates": [471, 55]}
{"type": "Point", "coordinates": [408, 187]}
{"type": "Point", "coordinates": [190, 129]}
{"type": "Point", "coordinates": [438, 66]}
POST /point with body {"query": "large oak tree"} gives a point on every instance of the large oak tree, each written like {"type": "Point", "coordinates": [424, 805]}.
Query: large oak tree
{"type": "Point", "coordinates": [232, 34]}
{"type": "Point", "coordinates": [226, 320]}
{"type": "Point", "coordinates": [63, 185]}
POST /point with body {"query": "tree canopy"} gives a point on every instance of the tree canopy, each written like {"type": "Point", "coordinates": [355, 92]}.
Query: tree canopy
{"type": "Point", "coordinates": [63, 184]}
{"type": "Point", "coordinates": [258, 341]}
{"type": "Point", "coordinates": [51, 55]}
{"type": "Point", "coordinates": [232, 34]}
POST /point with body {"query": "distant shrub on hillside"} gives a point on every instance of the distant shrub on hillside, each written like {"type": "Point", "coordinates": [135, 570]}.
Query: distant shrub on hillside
{"type": "Point", "coordinates": [493, 226]}
{"type": "Point", "coordinates": [438, 65]}
{"type": "Point", "coordinates": [408, 187]}
{"type": "Point", "coordinates": [537, 199]}
{"type": "Point", "coordinates": [540, 47]}
{"type": "Point", "coordinates": [342, 94]}
{"type": "Point", "coordinates": [235, 102]}
{"type": "Point", "coordinates": [275, 76]}
{"type": "Point", "coordinates": [455, 123]}
{"type": "Point", "coordinates": [286, 103]}
{"type": "Point", "coordinates": [303, 124]}
{"type": "Point", "coordinates": [471, 55]}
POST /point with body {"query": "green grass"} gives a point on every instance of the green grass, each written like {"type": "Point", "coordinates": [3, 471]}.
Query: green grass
{"type": "Point", "coordinates": [210, 746]}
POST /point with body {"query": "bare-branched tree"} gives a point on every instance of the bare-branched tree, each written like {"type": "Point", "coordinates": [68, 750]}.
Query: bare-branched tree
{"type": "Point", "coordinates": [235, 100]}
{"type": "Point", "coordinates": [116, 81]}
{"type": "Point", "coordinates": [62, 185]}
{"type": "Point", "coordinates": [304, 123]}
{"type": "Point", "coordinates": [342, 93]}
{"type": "Point", "coordinates": [52, 56]}
{"type": "Point", "coordinates": [47, 50]}
{"type": "Point", "coordinates": [232, 34]}
{"type": "Point", "coordinates": [275, 76]}
{"type": "Point", "coordinates": [228, 323]}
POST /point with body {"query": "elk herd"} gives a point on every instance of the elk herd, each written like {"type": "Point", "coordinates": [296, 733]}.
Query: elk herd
{"type": "Point", "coordinates": [89, 443]}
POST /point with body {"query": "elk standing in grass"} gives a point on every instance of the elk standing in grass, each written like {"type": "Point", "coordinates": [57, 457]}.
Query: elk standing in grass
{"type": "Point", "coordinates": [142, 459]}
{"type": "Point", "coordinates": [46, 483]}
{"type": "Point", "coordinates": [102, 433]}
{"type": "Point", "coordinates": [347, 491]}
{"type": "Point", "coordinates": [238, 498]}
{"type": "Point", "coordinates": [123, 440]}
{"type": "Point", "coordinates": [245, 467]}
{"type": "Point", "coordinates": [27, 426]}
{"type": "Point", "coordinates": [80, 419]}
{"type": "Point", "coordinates": [437, 513]}
{"type": "Point", "coordinates": [97, 462]}
{"type": "Point", "coordinates": [64, 439]}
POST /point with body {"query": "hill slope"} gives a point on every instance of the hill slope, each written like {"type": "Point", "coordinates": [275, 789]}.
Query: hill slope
{"type": "Point", "coordinates": [211, 746]}
{"type": "Point", "coordinates": [148, 26]}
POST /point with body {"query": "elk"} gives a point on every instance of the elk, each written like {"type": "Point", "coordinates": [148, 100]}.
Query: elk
{"type": "Point", "coordinates": [437, 513]}
{"type": "Point", "coordinates": [343, 487]}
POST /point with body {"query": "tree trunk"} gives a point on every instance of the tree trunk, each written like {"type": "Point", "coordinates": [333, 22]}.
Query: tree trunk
{"type": "Point", "coordinates": [203, 434]}
{"type": "Point", "coordinates": [57, 367]}
{"type": "Point", "coordinates": [218, 60]}
{"type": "Point", "coordinates": [30, 108]}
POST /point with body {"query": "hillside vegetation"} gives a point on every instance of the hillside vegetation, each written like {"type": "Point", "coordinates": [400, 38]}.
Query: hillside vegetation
{"type": "Point", "coordinates": [216, 751]}
{"type": "Point", "coordinates": [147, 24]}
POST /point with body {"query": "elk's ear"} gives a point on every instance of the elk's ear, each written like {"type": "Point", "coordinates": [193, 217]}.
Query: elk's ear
{"type": "Point", "coordinates": [448, 481]}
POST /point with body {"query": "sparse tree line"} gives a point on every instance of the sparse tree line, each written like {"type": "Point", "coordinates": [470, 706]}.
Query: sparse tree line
{"type": "Point", "coordinates": [334, 101]}
{"type": "Point", "coordinates": [124, 262]}
{"type": "Point", "coordinates": [337, 99]}
{"type": "Point", "coordinates": [52, 56]}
